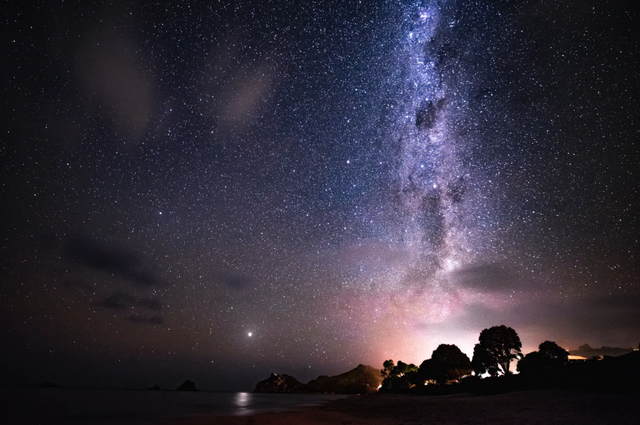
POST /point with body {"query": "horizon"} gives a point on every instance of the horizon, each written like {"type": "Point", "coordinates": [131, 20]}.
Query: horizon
{"type": "Point", "coordinates": [48, 384]}
{"type": "Point", "coordinates": [215, 192]}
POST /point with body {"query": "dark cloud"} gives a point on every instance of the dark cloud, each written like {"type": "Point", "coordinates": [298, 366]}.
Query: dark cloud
{"type": "Point", "coordinates": [111, 258]}
{"type": "Point", "coordinates": [601, 320]}
{"type": "Point", "coordinates": [117, 301]}
{"type": "Point", "coordinates": [597, 319]}
{"type": "Point", "coordinates": [486, 277]}
{"type": "Point", "coordinates": [605, 314]}
{"type": "Point", "coordinates": [598, 315]}
{"type": "Point", "coordinates": [120, 301]}
{"type": "Point", "coordinates": [149, 303]}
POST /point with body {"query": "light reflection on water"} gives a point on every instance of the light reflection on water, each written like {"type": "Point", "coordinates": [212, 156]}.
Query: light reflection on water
{"type": "Point", "coordinates": [243, 400]}
{"type": "Point", "coordinates": [106, 407]}
{"type": "Point", "coordinates": [251, 403]}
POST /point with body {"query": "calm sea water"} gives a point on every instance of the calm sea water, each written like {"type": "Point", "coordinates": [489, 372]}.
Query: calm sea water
{"type": "Point", "coordinates": [73, 406]}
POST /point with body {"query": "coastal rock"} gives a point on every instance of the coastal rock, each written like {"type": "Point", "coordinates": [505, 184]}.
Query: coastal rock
{"type": "Point", "coordinates": [156, 387]}
{"type": "Point", "coordinates": [280, 384]}
{"type": "Point", "coordinates": [361, 380]}
{"type": "Point", "coordinates": [187, 386]}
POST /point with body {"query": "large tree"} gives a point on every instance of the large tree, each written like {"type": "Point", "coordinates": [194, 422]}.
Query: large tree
{"type": "Point", "coordinates": [496, 348]}
{"type": "Point", "coordinates": [553, 352]}
{"type": "Point", "coordinates": [483, 362]}
{"type": "Point", "coordinates": [447, 363]}
{"type": "Point", "coordinates": [550, 356]}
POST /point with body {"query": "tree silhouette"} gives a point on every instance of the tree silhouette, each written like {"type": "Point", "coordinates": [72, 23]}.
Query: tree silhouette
{"type": "Point", "coordinates": [553, 352]}
{"type": "Point", "coordinates": [387, 367]}
{"type": "Point", "coordinates": [391, 370]}
{"type": "Point", "coordinates": [403, 368]}
{"type": "Point", "coordinates": [533, 362]}
{"type": "Point", "coordinates": [447, 363]}
{"type": "Point", "coordinates": [550, 356]}
{"type": "Point", "coordinates": [496, 348]}
{"type": "Point", "coordinates": [483, 362]}
{"type": "Point", "coordinates": [398, 377]}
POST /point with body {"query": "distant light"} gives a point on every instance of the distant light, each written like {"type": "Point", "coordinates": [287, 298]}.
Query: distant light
{"type": "Point", "coordinates": [250, 334]}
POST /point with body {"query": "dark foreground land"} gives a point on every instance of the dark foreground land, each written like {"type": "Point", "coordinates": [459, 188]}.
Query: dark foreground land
{"type": "Point", "coordinates": [536, 407]}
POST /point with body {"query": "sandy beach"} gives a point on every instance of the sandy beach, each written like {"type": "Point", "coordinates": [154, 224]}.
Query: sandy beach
{"type": "Point", "coordinates": [525, 407]}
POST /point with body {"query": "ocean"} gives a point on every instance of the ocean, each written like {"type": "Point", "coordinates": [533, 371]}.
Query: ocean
{"type": "Point", "coordinates": [123, 407]}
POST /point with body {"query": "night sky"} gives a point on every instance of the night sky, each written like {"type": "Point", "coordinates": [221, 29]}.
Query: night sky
{"type": "Point", "coordinates": [218, 190]}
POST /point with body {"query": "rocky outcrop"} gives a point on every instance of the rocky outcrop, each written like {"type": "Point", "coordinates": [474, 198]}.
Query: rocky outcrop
{"type": "Point", "coordinates": [280, 384]}
{"type": "Point", "coordinates": [361, 380]}
{"type": "Point", "coordinates": [187, 386]}
{"type": "Point", "coordinates": [156, 387]}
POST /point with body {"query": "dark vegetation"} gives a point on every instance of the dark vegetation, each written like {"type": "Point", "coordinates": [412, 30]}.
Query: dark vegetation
{"type": "Point", "coordinates": [450, 371]}
{"type": "Point", "coordinates": [496, 348]}
{"type": "Point", "coordinates": [446, 365]}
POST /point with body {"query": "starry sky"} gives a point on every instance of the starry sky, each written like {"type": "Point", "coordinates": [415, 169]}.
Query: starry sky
{"type": "Point", "coordinates": [218, 190]}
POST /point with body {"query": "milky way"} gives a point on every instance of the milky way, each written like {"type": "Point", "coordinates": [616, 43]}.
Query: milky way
{"type": "Point", "coordinates": [218, 191]}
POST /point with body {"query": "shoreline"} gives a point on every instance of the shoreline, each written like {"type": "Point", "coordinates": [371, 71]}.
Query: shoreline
{"type": "Point", "coordinates": [533, 407]}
